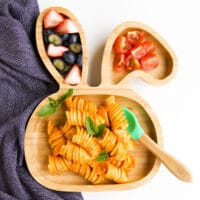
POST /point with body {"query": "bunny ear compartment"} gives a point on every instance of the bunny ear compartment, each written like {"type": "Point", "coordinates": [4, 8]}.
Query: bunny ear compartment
{"type": "Point", "coordinates": [62, 47]}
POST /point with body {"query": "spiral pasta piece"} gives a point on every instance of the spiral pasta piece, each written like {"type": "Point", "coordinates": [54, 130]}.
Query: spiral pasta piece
{"type": "Point", "coordinates": [78, 118]}
{"type": "Point", "coordinates": [58, 164]}
{"type": "Point", "coordinates": [74, 153]}
{"type": "Point", "coordinates": [116, 174]}
{"type": "Point", "coordinates": [126, 164]}
{"type": "Point", "coordinates": [87, 142]}
{"type": "Point", "coordinates": [112, 145]}
{"type": "Point", "coordinates": [87, 172]}
{"type": "Point", "coordinates": [108, 140]}
{"type": "Point", "coordinates": [68, 131]}
{"type": "Point", "coordinates": [125, 137]}
{"type": "Point", "coordinates": [56, 138]}
{"type": "Point", "coordinates": [119, 151]}
{"type": "Point", "coordinates": [116, 114]}
{"type": "Point", "coordinates": [102, 111]}
{"type": "Point", "coordinates": [77, 103]}
{"type": "Point", "coordinates": [50, 127]}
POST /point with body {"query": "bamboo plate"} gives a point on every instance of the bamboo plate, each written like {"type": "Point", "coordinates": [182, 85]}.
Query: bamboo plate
{"type": "Point", "coordinates": [36, 145]}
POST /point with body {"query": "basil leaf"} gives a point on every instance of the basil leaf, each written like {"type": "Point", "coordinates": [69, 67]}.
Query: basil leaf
{"type": "Point", "coordinates": [62, 98]}
{"type": "Point", "coordinates": [53, 102]}
{"type": "Point", "coordinates": [102, 156]}
{"type": "Point", "coordinates": [91, 128]}
{"type": "Point", "coordinates": [101, 130]}
{"type": "Point", "coordinates": [47, 110]}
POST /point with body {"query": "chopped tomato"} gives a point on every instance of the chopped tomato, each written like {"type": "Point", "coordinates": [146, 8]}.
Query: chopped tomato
{"type": "Point", "coordinates": [132, 63]}
{"type": "Point", "coordinates": [133, 52]}
{"type": "Point", "coordinates": [148, 46]}
{"type": "Point", "coordinates": [121, 45]}
{"type": "Point", "coordinates": [134, 37]}
{"type": "Point", "coordinates": [149, 61]}
{"type": "Point", "coordinates": [119, 62]}
{"type": "Point", "coordinates": [138, 51]}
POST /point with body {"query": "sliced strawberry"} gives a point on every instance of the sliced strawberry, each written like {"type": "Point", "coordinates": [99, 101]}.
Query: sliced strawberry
{"type": "Point", "coordinates": [52, 19]}
{"type": "Point", "coordinates": [56, 51]}
{"type": "Point", "coordinates": [67, 26]}
{"type": "Point", "coordinates": [74, 76]}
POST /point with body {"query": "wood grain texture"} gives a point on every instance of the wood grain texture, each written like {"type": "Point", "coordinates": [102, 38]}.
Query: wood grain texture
{"type": "Point", "coordinates": [36, 145]}
{"type": "Point", "coordinates": [174, 165]}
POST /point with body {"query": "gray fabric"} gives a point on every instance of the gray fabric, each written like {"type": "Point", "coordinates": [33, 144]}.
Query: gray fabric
{"type": "Point", "coordinates": [24, 82]}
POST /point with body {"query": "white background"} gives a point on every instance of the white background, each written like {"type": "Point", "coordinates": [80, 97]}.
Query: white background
{"type": "Point", "coordinates": [175, 104]}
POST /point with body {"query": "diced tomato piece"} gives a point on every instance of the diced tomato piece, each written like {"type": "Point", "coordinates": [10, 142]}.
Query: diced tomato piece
{"type": "Point", "coordinates": [149, 61]}
{"type": "Point", "coordinates": [148, 46]}
{"type": "Point", "coordinates": [67, 26]}
{"type": "Point", "coordinates": [121, 45]}
{"type": "Point", "coordinates": [119, 62]}
{"type": "Point", "coordinates": [132, 63]}
{"type": "Point", "coordinates": [138, 51]}
{"type": "Point", "coordinates": [56, 51]}
{"type": "Point", "coordinates": [52, 18]}
{"type": "Point", "coordinates": [135, 37]}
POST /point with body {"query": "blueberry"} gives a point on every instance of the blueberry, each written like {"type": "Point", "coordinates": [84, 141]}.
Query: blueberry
{"type": "Point", "coordinates": [66, 43]}
{"type": "Point", "coordinates": [66, 69]}
{"type": "Point", "coordinates": [74, 38]}
{"type": "Point", "coordinates": [75, 47]}
{"type": "Point", "coordinates": [62, 67]}
{"type": "Point", "coordinates": [46, 33]}
{"type": "Point", "coordinates": [55, 39]}
{"type": "Point", "coordinates": [69, 57]}
{"type": "Point", "coordinates": [64, 36]}
{"type": "Point", "coordinates": [79, 60]}
{"type": "Point", "coordinates": [59, 64]}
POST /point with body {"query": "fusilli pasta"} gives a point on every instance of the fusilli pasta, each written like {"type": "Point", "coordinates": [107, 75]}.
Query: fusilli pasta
{"type": "Point", "coordinates": [95, 157]}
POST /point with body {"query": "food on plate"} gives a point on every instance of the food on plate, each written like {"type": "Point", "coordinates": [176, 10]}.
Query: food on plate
{"type": "Point", "coordinates": [93, 142]}
{"type": "Point", "coordinates": [77, 103]}
{"type": "Point", "coordinates": [133, 52]}
{"type": "Point", "coordinates": [63, 45]}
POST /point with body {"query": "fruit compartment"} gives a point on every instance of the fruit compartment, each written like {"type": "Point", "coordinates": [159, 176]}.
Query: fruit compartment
{"type": "Point", "coordinates": [160, 75]}
{"type": "Point", "coordinates": [61, 44]}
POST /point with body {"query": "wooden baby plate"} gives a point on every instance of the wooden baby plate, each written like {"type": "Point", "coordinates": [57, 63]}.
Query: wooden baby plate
{"type": "Point", "coordinates": [116, 84]}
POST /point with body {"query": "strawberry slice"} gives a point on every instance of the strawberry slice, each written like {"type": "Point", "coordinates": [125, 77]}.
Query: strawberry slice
{"type": "Point", "coordinates": [67, 26]}
{"type": "Point", "coordinates": [52, 19]}
{"type": "Point", "coordinates": [74, 76]}
{"type": "Point", "coordinates": [56, 51]}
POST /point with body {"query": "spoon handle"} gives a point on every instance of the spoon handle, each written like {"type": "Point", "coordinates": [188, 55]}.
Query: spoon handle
{"type": "Point", "coordinates": [175, 166]}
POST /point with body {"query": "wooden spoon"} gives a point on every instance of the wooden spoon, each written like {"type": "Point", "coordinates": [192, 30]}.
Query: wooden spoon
{"type": "Point", "coordinates": [136, 132]}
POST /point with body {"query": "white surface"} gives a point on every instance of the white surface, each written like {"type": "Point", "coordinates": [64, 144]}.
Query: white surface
{"type": "Point", "coordinates": [176, 104]}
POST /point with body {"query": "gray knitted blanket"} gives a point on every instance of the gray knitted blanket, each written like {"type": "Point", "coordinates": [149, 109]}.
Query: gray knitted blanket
{"type": "Point", "coordinates": [24, 82]}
